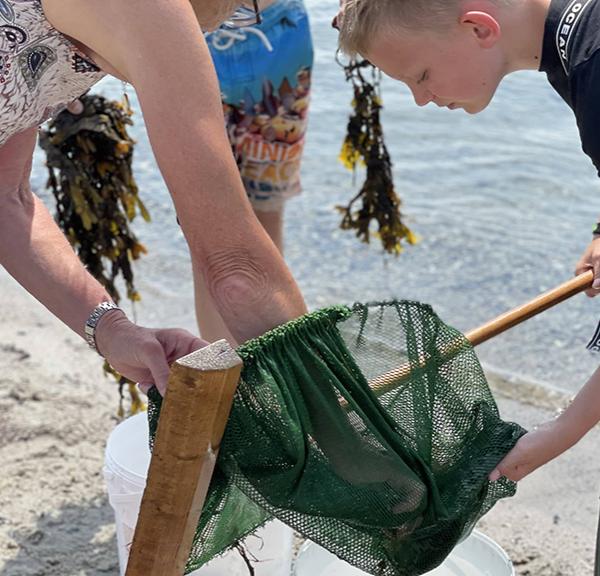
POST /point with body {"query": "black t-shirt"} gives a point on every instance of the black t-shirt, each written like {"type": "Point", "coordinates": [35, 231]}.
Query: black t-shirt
{"type": "Point", "coordinates": [571, 59]}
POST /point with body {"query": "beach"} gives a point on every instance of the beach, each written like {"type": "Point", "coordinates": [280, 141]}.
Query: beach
{"type": "Point", "coordinates": [58, 410]}
{"type": "Point", "coordinates": [503, 207]}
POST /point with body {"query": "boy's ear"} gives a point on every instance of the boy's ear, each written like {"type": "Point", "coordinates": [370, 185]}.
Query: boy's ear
{"type": "Point", "coordinates": [483, 25]}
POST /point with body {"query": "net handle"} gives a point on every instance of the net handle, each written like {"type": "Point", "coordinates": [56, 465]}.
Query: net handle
{"type": "Point", "coordinates": [532, 308]}
{"type": "Point", "coordinates": [393, 378]}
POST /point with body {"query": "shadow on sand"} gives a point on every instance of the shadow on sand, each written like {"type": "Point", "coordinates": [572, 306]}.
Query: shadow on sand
{"type": "Point", "coordinates": [76, 540]}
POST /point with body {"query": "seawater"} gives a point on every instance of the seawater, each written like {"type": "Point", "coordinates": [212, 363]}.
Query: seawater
{"type": "Point", "coordinates": [504, 203]}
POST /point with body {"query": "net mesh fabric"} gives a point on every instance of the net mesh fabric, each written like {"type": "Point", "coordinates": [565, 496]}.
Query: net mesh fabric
{"type": "Point", "coordinates": [389, 483]}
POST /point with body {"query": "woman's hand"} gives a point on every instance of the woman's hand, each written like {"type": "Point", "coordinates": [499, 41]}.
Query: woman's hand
{"type": "Point", "coordinates": [142, 354]}
{"type": "Point", "coordinates": [533, 450]}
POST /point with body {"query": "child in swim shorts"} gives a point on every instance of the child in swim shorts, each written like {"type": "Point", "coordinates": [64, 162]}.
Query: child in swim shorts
{"type": "Point", "coordinates": [264, 73]}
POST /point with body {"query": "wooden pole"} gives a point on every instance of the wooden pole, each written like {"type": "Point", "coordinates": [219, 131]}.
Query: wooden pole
{"type": "Point", "coordinates": [192, 421]}
{"type": "Point", "coordinates": [531, 308]}
{"type": "Point", "coordinates": [390, 380]}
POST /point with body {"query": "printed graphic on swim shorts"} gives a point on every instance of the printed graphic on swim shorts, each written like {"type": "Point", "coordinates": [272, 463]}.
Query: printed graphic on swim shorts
{"type": "Point", "coordinates": [264, 74]}
{"type": "Point", "coordinates": [268, 136]}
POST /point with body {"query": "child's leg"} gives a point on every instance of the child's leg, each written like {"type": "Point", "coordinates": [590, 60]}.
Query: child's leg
{"type": "Point", "coordinates": [273, 223]}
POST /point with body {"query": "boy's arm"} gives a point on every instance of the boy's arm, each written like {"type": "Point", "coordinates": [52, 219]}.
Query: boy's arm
{"type": "Point", "coordinates": [159, 47]}
{"type": "Point", "coordinates": [551, 439]}
{"type": "Point", "coordinates": [584, 81]}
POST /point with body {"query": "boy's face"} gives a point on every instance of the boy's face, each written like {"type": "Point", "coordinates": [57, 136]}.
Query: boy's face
{"type": "Point", "coordinates": [452, 69]}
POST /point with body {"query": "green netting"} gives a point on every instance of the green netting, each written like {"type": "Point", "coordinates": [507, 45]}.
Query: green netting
{"type": "Point", "coordinates": [390, 483]}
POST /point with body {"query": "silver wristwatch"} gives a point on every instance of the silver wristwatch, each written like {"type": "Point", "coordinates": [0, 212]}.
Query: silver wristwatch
{"type": "Point", "coordinates": [92, 322]}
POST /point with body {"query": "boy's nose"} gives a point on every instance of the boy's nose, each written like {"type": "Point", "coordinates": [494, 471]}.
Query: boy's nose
{"type": "Point", "coordinates": [422, 96]}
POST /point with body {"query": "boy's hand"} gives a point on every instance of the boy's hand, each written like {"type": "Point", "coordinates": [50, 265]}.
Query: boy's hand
{"type": "Point", "coordinates": [533, 450]}
{"type": "Point", "coordinates": [590, 260]}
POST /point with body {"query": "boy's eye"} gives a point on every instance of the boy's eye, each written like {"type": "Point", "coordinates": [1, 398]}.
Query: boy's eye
{"type": "Point", "coordinates": [423, 77]}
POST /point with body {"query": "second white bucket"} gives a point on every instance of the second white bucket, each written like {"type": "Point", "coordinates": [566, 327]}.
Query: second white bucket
{"type": "Point", "coordinates": [126, 466]}
{"type": "Point", "coordinates": [477, 555]}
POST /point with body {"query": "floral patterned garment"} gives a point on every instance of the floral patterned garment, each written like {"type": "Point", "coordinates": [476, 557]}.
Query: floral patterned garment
{"type": "Point", "coordinates": [41, 71]}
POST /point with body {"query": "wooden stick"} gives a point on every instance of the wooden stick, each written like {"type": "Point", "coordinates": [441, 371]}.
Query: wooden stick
{"type": "Point", "coordinates": [531, 308]}
{"type": "Point", "coordinates": [192, 421]}
{"type": "Point", "coordinates": [389, 380]}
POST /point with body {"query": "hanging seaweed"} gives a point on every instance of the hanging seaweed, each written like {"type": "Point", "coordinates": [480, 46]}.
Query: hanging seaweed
{"type": "Point", "coordinates": [364, 145]}
{"type": "Point", "coordinates": [89, 158]}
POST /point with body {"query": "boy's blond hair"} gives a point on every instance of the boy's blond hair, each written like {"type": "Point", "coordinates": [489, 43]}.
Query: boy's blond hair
{"type": "Point", "coordinates": [362, 20]}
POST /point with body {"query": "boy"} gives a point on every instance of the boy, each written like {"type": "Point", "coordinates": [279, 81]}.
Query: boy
{"type": "Point", "coordinates": [454, 53]}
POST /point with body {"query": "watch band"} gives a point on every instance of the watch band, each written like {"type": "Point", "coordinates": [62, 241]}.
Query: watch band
{"type": "Point", "coordinates": [92, 322]}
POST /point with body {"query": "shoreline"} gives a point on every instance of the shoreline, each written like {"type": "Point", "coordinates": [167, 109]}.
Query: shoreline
{"type": "Point", "coordinates": [58, 410]}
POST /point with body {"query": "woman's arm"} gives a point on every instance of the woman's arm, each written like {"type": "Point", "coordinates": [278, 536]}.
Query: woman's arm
{"type": "Point", "coordinates": [33, 249]}
{"type": "Point", "coordinates": [159, 47]}
{"type": "Point", "coordinates": [36, 253]}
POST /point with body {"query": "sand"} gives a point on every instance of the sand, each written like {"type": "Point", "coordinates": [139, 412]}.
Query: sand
{"type": "Point", "coordinates": [57, 409]}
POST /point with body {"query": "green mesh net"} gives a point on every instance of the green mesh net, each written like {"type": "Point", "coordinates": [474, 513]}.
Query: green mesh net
{"type": "Point", "coordinates": [391, 482]}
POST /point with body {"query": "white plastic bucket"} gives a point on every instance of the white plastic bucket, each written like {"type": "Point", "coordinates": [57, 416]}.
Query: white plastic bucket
{"type": "Point", "coordinates": [477, 555]}
{"type": "Point", "coordinates": [126, 465]}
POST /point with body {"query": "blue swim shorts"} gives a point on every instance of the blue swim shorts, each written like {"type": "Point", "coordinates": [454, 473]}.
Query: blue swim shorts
{"type": "Point", "coordinates": [265, 73]}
